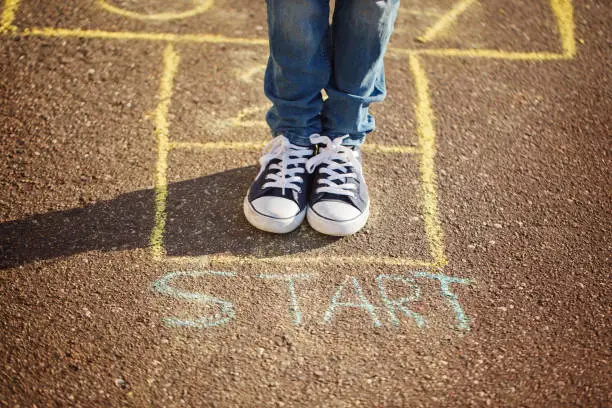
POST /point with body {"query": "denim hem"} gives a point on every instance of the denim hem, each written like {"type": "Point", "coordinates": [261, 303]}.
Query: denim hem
{"type": "Point", "coordinates": [356, 139]}
{"type": "Point", "coordinates": [295, 138]}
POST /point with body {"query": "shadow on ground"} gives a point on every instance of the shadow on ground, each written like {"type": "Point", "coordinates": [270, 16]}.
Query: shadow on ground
{"type": "Point", "coordinates": [204, 217]}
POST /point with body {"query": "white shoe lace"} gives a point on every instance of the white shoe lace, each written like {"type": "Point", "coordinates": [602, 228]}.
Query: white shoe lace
{"type": "Point", "coordinates": [336, 158]}
{"type": "Point", "coordinates": [289, 155]}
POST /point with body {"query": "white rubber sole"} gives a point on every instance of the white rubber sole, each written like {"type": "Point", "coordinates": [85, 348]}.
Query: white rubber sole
{"type": "Point", "coordinates": [270, 224]}
{"type": "Point", "coordinates": [337, 228]}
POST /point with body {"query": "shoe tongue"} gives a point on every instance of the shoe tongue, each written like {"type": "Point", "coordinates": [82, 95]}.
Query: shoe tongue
{"type": "Point", "coordinates": [288, 166]}
{"type": "Point", "coordinates": [278, 191]}
{"type": "Point", "coordinates": [347, 169]}
{"type": "Point", "coordinates": [346, 165]}
{"type": "Point", "coordinates": [341, 162]}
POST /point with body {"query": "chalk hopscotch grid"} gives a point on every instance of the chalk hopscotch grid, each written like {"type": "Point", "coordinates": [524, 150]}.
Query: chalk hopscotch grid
{"type": "Point", "coordinates": [425, 151]}
{"type": "Point", "coordinates": [424, 115]}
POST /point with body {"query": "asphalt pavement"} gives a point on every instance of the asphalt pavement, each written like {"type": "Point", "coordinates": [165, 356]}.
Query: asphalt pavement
{"type": "Point", "coordinates": [130, 131]}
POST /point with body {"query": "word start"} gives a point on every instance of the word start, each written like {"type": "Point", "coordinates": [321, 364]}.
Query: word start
{"type": "Point", "coordinates": [394, 308]}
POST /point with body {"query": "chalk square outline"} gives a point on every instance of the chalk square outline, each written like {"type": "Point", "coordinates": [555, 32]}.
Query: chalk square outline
{"type": "Point", "coordinates": [425, 151]}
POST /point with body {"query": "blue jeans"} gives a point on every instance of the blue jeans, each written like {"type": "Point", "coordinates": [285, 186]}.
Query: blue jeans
{"type": "Point", "coordinates": [346, 59]}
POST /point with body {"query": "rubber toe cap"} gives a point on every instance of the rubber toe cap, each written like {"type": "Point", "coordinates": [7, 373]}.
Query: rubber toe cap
{"type": "Point", "coordinates": [275, 207]}
{"type": "Point", "coordinates": [336, 210]}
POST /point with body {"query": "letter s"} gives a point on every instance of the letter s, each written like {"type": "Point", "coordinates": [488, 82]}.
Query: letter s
{"type": "Point", "coordinates": [225, 314]}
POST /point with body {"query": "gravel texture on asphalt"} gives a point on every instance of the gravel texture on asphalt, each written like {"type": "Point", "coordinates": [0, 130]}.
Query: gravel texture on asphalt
{"type": "Point", "coordinates": [481, 279]}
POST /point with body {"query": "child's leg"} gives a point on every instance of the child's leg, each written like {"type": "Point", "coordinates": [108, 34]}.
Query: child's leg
{"type": "Point", "coordinates": [298, 67]}
{"type": "Point", "coordinates": [360, 33]}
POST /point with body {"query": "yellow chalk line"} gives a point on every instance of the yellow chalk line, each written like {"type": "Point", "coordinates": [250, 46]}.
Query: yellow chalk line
{"type": "Point", "coordinates": [201, 7]}
{"type": "Point", "coordinates": [444, 21]}
{"type": "Point", "coordinates": [302, 260]}
{"type": "Point", "coordinates": [220, 39]}
{"type": "Point", "coordinates": [564, 12]}
{"type": "Point", "coordinates": [127, 35]}
{"type": "Point", "coordinates": [171, 62]}
{"type": "Point", "coordinates": [8, 16]}
{"type": "Point", "coordinates": [427, 140]}
{"type": "Point", "coordinates": [485, 54]}
{"type": "Point", "coordinates": [218, 145]}
{"type": "Point", "coordinates": [247, 123]}
{"type": "Point", "coordinates": [239, 121]}
{"type": "Point", "coordinates": [375, 148]}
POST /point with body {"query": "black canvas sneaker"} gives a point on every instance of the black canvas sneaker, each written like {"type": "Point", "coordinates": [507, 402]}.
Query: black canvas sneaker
{"type": "Point", "coordinates": [339, 203]}
{"type": "Point", "coordinates": [277, 199]}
